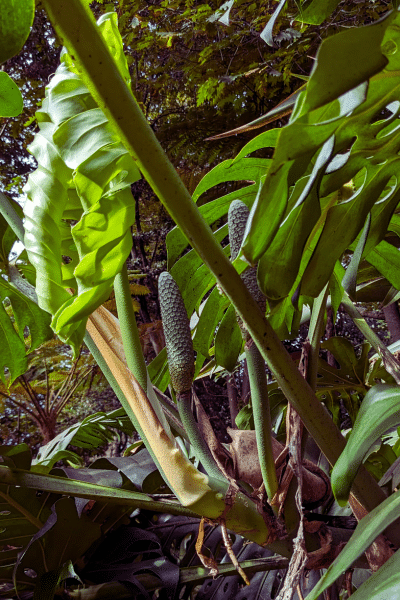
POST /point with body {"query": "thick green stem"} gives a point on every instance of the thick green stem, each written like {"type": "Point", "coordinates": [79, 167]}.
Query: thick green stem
{"type": "Point", "coordinates": [129, 330]}
{"type": "Point", "coordinates": [131, 341]}
{"type": "Point", "coordinates": [82, 489]}
{"type": "Point", "coordinates": [77, 29]}
{"type": "Point", "coordinates": [262, 417]}
{"type": "Point", "coordinates": [200, 447]}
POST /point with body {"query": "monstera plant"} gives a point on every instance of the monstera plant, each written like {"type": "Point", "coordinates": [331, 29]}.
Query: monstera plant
{"type": "Point", "coordinates": [327, 199]}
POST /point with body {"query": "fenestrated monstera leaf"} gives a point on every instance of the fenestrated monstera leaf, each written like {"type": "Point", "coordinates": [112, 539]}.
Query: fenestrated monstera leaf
{"type": "Point", "coordinates": [354, 143]}
{"type": "Point", "coordinates": [334, 164]}
{"type": "Point", "coordinates": [304, 212]}
{"type": "Point", "coordinates": [192, 276]}
{"type": "Point", "coordinates": [43, 534]}
{"type": "Point", "coordinates": [57, 542]}
{"type": "Point", "coordinates": [22, 513]}
{"type": "Point", "coordinates": [79, 209]}
{"type": "Point", "coordinates": [129, 551]}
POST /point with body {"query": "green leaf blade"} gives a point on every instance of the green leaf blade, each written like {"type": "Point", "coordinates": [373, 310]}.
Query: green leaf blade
{"type": "Point", "coordinates": [15, 26]}
{"type": "Point", "coordinates": [228, 341]}
{"type": "Point", "coordinates": [379, 410]}
{"type": "Point", "coordinates": [11, 102]}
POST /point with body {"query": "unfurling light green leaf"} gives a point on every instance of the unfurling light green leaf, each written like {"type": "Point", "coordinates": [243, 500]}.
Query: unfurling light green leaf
{"type": "Point", "coordinates": [80, 209]}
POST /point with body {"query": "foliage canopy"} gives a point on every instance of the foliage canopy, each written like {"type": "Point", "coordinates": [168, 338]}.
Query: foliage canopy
{"type": "Point", "coordinates": [323, 194]}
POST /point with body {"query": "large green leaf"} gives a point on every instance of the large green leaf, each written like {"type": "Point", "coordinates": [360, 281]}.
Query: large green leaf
{"type": "Point", "coordinates": [15, 25]}
{"type": "Point", "coordinates": [44, 528]}
{"type": "Point", "coordinates": [22, 513]}
{"type": "Point", "coordinates": [228, 341]}
{"type": "Point", "coordinates": [21, 310]}
{"type": "Point", "coordinates": [279, 265]}
{"type": "Point", "coordinates": [379, 411]}
{"type": "Point", "coordinates": [84, 175]}
{"type": "Point", "coordinates": [345, 60]}
{"type": "Point", "coordinates": [247, 169]}
{"type": "Point", "coordinates": [343, 109]}
{"type": "Point", "coordinates": [56, 542]}
{"type": "Point", "coordinates": [386, 259]}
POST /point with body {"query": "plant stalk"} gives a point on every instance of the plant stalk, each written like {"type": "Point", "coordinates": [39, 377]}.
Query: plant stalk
{"type": "Point", "coordinates": [200, 448]}
{"type": "Point", "coordinates": [262, 417]}
{"type": "Point", "coordinates": [82, 489]}
{"type": "Point", "coordinates": [100, 75]}
{"type": "Point", "coordinates": [129, 330]}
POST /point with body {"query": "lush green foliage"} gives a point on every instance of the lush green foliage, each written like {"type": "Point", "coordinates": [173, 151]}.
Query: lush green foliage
{"type": "Point", "coordinates": [328, 192]}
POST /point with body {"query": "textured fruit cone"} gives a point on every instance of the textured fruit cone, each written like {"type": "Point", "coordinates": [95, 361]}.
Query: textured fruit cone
{"type": "Point", "coordinates": [237, 218]}
{"type": "Point", "coordinates": [177, 334]}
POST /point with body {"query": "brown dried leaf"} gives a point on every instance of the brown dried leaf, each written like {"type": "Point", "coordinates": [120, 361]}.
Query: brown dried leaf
{"type": "Point", "coordinates": [245, 455]}
{"type": "Point", "coordinates": [207, 561]}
